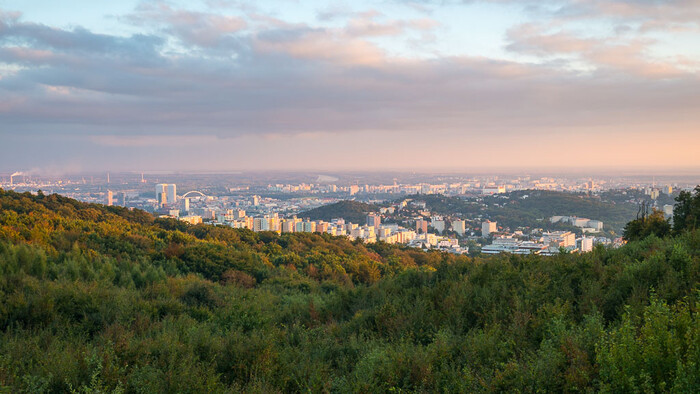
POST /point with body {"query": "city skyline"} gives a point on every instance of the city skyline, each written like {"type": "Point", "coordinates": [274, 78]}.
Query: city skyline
{"type": "Point", "coordinates": [226, 86]}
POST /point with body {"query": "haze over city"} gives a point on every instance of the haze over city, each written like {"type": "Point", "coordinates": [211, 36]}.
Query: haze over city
{"type": "Point", "coordinates": [269, 85]}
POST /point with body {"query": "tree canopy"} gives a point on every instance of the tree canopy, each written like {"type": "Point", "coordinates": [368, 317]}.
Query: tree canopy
{"type": "Point", "coordinates": [686, 212]}
{"type": "Point", "coordinates": [104, 299]}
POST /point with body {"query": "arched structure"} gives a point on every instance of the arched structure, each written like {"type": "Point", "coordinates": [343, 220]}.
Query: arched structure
{"type": "Point", "coordinates": [193, 192]}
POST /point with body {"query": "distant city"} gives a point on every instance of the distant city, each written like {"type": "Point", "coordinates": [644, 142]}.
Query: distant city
{"type": "Point", "coordinates": [265, 202]}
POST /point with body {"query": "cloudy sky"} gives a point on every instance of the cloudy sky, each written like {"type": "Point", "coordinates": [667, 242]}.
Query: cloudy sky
{"type": "Point", "coordinates": [230, 85]}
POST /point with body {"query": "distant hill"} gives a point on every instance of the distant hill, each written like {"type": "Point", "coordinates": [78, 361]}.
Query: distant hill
{"type": "Point", "coordinates": [544, 204]}
{"type": "Point", "coordinates": [528, 207]}
{"type": "Point", "coordinates": [351, 211]}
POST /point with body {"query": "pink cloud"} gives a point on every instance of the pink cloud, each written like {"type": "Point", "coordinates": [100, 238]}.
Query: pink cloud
{"type": "Point", "coordinates": [349, 45]}
{"type": "Point", "coordinates": [622, 53]}
{"type": "Point", "coordinates": [199, 28]}
{"type": "Point", "coordinates": [324, 45]}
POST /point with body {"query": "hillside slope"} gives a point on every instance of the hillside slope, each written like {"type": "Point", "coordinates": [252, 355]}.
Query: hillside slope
{"type": "Point", "coordinates": [351, 211]}
{"type": "Point", "coordinates": [98, 299]}
{"type": "Point", "coordinates": [528, 208]}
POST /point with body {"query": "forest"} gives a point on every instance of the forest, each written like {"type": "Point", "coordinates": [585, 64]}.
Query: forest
{"type": "Point", "coordinates": [532, 208]}
{"type": "Point", "coordinates": [106, 299]}
{"type": "Point", "coordinates": [352, 211]}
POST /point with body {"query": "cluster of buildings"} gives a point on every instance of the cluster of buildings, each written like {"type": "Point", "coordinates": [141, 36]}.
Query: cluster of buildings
{"type": "Point", "coordinates": [547, 244]}
{"type": "Point", "coordinates": [480, 185]}
{"type": "Point", "coordinates": [653, 191]}
{"type": "Point", "coordinates": [196, 207]}
{"type": "Point", "coordinates": [586, 225]}
{"type": "Point", "coordinates": [371, 231]}
{"type": "Point", "coordinates": [475, 187]}
{"type": "Point", "coordinates": [440, 224]}
{"type": "Point", "coordinates": [166, 194]}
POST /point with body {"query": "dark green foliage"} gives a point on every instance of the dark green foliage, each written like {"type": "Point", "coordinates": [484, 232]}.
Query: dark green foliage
{"type": "Point", "coordinates": [686, 213]}
{"type": "Point", "coordinates": [351, 211]}
{"type": "Point", "coordinates": [101, 300]}
{"type": "Point", "coordinates": [528, 208]}
{"type": "Point", "coordinates": [654, 224]}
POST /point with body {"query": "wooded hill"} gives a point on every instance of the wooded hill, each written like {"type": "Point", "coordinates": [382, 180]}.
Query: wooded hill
{"type": "Point", "coordinates": [351, 211]}
{"type": "Point", "coordinates": [103, 299]}
{"type": "Point", "coordinates": [533, 208]}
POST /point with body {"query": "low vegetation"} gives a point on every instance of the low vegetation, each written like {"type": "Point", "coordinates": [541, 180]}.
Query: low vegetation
{"type": "Point", "coordinates": [103, 299]}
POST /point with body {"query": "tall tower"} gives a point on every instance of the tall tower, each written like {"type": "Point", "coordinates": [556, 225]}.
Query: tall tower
{"type": "Point", "coordinates": [161, 194]}
{"type": "Point", "coordinates": [172, 193]}
{"type": "Point", "coordinates": [374, 220]}
{"type": "Point", "coordinates": [166, 194]}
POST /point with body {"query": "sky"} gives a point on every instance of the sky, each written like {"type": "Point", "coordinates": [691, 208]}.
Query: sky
{"type": "Point", "coordinates": [224, 85]}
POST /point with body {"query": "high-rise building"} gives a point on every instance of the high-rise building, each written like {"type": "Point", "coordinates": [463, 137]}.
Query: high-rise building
{"type": "Point", "coordinates": [273, 222]}
{"type": "Point", "coordinates": [668, 210]}
{"type": "Point", "coordinates": [309, 227]}
{"type": "Point", "coordinates": [374, 220]}
{"type": "Point", "coordinates": [161, 194]}
{"type": "Point", "coordinates": [354, 189]}
{"type": "Point", "coordinates": [166, 194]}
{"type": "Point", "coordinates": [172, 193]}
{"type": "Point", "coordinates": [421, 226]}
{"type": "Point", "coordinates": [261, 224]}
{"type": "Point", "coordinates": [438, 223]}
{"type": "Point", "coordinates": [459, 226]}
{"type": "Point", "coordinates": [290, 225]}
{"type": "Point", "coordinates": [322, 227]}
{"type": "Point", "coordinates": [110, 198]}
{"type": "Point", "coordinates": [488, 227]}
{"type": "Point", "coordinates": [559, 238]}
{"type": "Point", "coordinates": [586, 244]}
{"type": "Point", "coordinates": [121, 199]}
{"type": "Point", "coordinates": [238, 213]}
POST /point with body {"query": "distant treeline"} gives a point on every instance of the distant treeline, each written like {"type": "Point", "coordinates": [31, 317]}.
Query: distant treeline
{"type": "Point", "coordinates": [533, 208]}
{"type": "Point", "coordinates": [104, 299]}
{"type": "Point", "coordinates": [352, 211]}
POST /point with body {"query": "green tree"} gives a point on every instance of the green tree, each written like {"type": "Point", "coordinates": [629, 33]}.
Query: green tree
{"type": "Point", "coordinates": [686, 213]}
{"type": "Point", "coordinates": [643, 227]}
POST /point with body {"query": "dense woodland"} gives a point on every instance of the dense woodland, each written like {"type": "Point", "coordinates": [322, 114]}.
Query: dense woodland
{"type": "Point", "coordinates": [533, 208]}
{"type": "Point", "coordinates": [351, 211]}
{"type": "Point", "coordinates": [103, 299]}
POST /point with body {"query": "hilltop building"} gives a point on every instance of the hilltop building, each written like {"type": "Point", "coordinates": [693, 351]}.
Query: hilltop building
{"type": "Point", "coordinates": [586, 224]}
{"type": "Point", "coordinates": [563, 239]}
{"type": "Point", "coordinates": [438, 223]}
{"type": "Point", "coordinates": [488, 227]}
{"type": "Point", "coordinates": [459, 226]}
{"type": "Point", "coordinates": [374, 220]}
